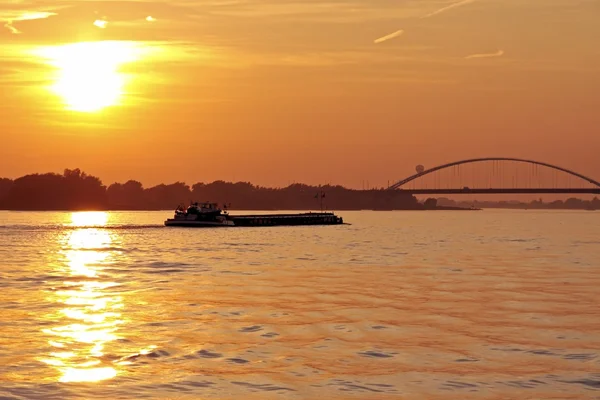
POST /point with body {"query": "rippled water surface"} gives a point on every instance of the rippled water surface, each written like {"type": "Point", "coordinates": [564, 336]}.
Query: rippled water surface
{"type": "Point", "coordinates": [465, 305]}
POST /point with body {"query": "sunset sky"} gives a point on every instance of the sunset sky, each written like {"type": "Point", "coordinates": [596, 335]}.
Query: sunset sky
{"type": "Point", "coordinates": [280, 91]}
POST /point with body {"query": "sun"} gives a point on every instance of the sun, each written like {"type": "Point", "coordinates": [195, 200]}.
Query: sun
{"type": "Point", "coordinates": [88, 75]}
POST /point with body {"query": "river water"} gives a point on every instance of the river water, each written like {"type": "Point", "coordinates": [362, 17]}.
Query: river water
{"type": "Point", "coordinates": [408, 305]}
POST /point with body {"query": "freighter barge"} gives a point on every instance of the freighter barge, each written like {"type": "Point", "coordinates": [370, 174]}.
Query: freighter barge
{"type": "Point", "coordinates": [209, 215]}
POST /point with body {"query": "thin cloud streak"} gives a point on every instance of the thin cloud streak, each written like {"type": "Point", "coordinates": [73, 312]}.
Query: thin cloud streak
{"type": "Point", "coordinates": [388, 37]}
{"type": "Point", "coordinates": [499, 53]}
{"type": "Point", "coordinates": [450, 7]}
{"type": "Point", "coordinates": [26, 16]}
{"type": "Point", "coordinates": [12, 29]}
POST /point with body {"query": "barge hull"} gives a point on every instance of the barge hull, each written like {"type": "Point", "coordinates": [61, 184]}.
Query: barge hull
{"type": "Point", "coordinates": [197, 224]}
{"type": "Point", "coordinates": [286, 219]}
{"type": "Point", "coordinates": [260, 220]}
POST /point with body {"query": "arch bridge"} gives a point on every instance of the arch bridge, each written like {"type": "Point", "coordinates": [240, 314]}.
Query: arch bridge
{"type": "Point", "coordinates": [487, 182]}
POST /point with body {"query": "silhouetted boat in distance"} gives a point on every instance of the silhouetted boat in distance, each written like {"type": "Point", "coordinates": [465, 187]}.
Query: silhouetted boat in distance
{"type": "Point", "coordinates": [209, 215]}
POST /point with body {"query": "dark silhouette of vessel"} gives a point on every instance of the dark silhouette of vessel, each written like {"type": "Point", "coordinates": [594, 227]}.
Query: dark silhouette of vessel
{"type": "Point", "coordinates": [209, 215]}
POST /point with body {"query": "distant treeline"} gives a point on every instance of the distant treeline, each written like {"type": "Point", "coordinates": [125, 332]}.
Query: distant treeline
{"type": "Point", "coordinates": [76, 190]}
{"type": "Point", "coordinates": [569, 204]}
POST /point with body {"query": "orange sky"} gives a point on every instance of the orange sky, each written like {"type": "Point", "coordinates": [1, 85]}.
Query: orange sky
{"type": "Point", "coordinates": [310, 91]}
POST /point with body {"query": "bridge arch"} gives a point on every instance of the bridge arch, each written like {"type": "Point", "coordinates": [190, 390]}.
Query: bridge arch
{"type": "Point", "coordinates": [411, 178]}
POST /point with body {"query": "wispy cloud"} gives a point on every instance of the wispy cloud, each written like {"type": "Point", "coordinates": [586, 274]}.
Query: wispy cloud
{"type": "Point", "coordinates": [449, 7]}
{"type": "Point", "coordinates": [390, 36]}
{"type": "Point", "coordinates": [499, 53]}
{"type": "Point", "coordinates": [11, 28]}
{"type": "Point", "coordinates": [24, 16]}
{"type": "Point", "coordinates": [100, 23]}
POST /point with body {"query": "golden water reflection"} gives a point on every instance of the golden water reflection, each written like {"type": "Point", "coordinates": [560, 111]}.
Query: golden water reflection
{"type": "Point", "coordinates": [91, 314]}
{"type": "Point", "coordinates": [89, 218]}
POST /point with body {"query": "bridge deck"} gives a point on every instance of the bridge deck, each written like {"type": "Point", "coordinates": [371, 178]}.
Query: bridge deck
{"type": "Point", "coordinates": [504, 191]}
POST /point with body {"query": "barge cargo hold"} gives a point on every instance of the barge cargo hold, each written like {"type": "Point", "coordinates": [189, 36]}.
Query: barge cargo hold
{"type": "Point", "coordinates": [209, 215]}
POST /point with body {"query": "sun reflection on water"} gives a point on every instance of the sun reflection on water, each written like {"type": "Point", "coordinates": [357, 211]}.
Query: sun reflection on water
{"type": "Point", "coordinates": [91, 314]}
{"type": "Point", "coordinates": [89, 218]}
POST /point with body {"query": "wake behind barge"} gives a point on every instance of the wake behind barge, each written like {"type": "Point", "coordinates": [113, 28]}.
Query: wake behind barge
{"type": "Point", "coordinates": [209, 215]}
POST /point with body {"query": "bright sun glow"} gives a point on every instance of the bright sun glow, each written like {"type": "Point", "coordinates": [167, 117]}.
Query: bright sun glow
{"type": "Point", "coordinates": [88, 77]}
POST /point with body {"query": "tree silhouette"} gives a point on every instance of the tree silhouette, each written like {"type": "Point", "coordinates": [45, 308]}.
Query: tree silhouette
{"type": "Point", "coordinates": [126, 196]}
{"type": "Point", "coordinates": [5, 186]}
{"type": "Point", "coordinates": [76, 190]}
{"type": "Point", "coordinates": [73, 190]}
